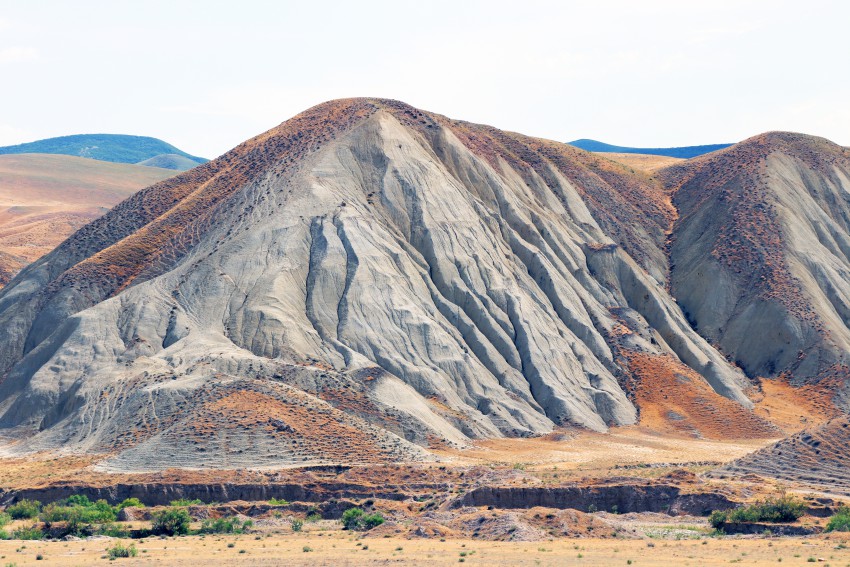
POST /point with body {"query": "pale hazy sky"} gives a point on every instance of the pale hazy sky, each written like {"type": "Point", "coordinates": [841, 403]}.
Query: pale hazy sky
{"type": "Point", "coordinates": [204, 76]}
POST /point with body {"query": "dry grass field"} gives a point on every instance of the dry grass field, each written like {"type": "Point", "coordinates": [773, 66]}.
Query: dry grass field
{"type": "Point", "coordinates": [330, 546]}
{"type": "Point", "coordinates": [642, 162]}
{"type": "Point", "coordinates": [45, 198]}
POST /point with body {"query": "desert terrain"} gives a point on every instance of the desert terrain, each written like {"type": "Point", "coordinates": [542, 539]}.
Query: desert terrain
{"type": "Point", "coordinates": [495, 348]}
{"type": "Point", "coordinates": [46, 198]}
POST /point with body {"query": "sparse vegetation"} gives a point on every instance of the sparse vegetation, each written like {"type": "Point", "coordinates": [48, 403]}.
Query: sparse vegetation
{"type": "Point", "coordinates": [357, 519]}
{"type": "Point", "coordinates": [28, 533]}
{"type": "Point", "coordinates": [187, 502]}
{"type": "Point", "coordinates": [118, 551]}
{"type": "Point", "coordinates": [130, 503]}
{"type": "Point", "coordinates": [173, 521]}
{"type": "Point", "coordinates": [297, 525]}
{"type": "Point", "coordinates": [228, 525]}
{"type": "Point", "coordinates": [784, 509]}
{"type": "Point", "coordinates": [840, 521]}
{"type": "Point", "coordinates": [24, 510]}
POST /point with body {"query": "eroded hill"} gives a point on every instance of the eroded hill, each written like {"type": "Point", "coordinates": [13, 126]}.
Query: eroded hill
{"type": "Point", "coordinates": [363, 282]}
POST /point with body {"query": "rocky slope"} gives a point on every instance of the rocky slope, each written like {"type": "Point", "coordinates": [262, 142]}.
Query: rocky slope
{"type": "Point", "coordinates": [760, 254]}
{"type": "Point", "coordinates": [46, 198]}
{"type": "Point", "coordinates": [362, 281]}
{"type": "Point", "coordinates": [816, 457]}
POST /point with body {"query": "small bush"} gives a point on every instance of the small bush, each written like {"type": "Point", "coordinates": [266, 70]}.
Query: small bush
{"type": "Point", "coordinates": [229, 525]}
{"type": "Point", "coordinates": [297, 525]}
{"type": "Point", "coordinates": [356, 519]}
{"type": "Point", "coordinates": [28, 533]}
{"type": "Point", "coordinates": [4, 535]}
{"type": "Point", "coordinates": [130, 503]}
{"type": "Point", "coordinates": [24, 510]}
{"type": "Point", "coordinates": [186, 502]}
{"type": "Point", "coordinates": [5, 519]}
{"type": "Point", "coordinates": [840, 521]}
{"type": "Point", "coordinates": [351, 518]}
{"type": "Point", "coordinates": [118, 551]}
{"type": "Point", "coordinates": [113, 530]}
{"type": "Point", "coordinates": [276, 502]}
{"type": "Point", "coordinates": [785, 509]}
{"type": "Point", "coordinates": [78, 511]}
{"type": "Point", "coordinates": [372, 521]}
{"type": "Point", "coordinates": [173, 521]}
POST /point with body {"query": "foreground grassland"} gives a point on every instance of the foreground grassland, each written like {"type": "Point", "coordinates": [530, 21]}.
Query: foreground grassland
{"type": "Point", "coordinates": [328, 546]}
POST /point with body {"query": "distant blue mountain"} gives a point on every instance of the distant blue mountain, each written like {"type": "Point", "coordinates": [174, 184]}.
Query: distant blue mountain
{"type": "Point", "coordinates": [684, 152]}
{"type": "Point", "coordinates": [118, 148]}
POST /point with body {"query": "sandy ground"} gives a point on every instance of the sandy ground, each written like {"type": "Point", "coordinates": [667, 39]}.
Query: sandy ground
{"type": "Point", "coordinates": [585, 453]}
{"type": "Point", "coordinates": [338, 548]}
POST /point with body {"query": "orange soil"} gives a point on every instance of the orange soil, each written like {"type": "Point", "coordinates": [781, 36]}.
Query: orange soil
{"type": "Point", "coordinates": [46, 198]}
{"type": "Point", "coordinates": [793, 407]}
{"type": "Point", "coordinates": [673, 398]}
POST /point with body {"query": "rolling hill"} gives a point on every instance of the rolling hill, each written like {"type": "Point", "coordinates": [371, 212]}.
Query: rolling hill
{"type": "Point", "coordinates": [117, 148]}
{"type": "Point", "coordinates": [684, 152]}
{"type": "Point", "coordinates": [45, 198]}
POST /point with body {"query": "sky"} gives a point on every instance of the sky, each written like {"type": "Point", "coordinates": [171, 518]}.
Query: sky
{"type": "Point", "coordinates": [205, 76]}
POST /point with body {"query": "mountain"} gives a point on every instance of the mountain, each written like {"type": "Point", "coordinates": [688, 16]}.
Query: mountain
{"type": "Point", "coordinates": [368, 281]}
{"type": "Point", "coordinates": [760, 253]}
{"type": "Point", "coordinates": [116, 148]}
{"type": "Point", "coordinates": [684, 152]}
{"type": "Point", "coordinates": [45, 198]}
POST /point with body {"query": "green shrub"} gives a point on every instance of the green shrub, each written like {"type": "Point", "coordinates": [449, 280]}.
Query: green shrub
{"type": "Point", "coordinates": [118, 551]}
{"type": "Point", "coordinates": [130, 503]}
{"type": "Point", "coordinates": [91, 513]}
{"type": "Point", "coordinates": [840, 521]}
{"type": "Point", "coordinates": [5, 519]}
{"type": "Point", "coordinates": [372, 521]}
{"type": "Point", "coordinates": [297, 525]}
{"type": "Point", "coordinates": [77, 500]}
{"type": "Point", "coordinates": [356, 519]}
{"type": "Point", "coordinates": [113, 530]}
{"type": "Point", "coordinates": [186, 502]}
{"type": "Point", "coordinates": [28, 533]}
{"type": "Point", "coordinates": [173, 521]}
{"type": "Point", "coordinates": [785, 509]}
{"type": "Point", "coordinates": [351, 518]}
{"type": "Point", "coordinates": [4, 535]}
{"type": "Point", "coordinates": [229, 525]}
{"type": "Point", "coordinates": [276, 502]}
{"type": "Point", "coordinates": [24, 510]}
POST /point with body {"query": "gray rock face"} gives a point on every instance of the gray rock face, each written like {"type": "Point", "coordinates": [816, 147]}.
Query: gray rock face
{"type": "Point", "coordinates": [760, 257]}
{"type": "Point", "coordinates": [360, 282]}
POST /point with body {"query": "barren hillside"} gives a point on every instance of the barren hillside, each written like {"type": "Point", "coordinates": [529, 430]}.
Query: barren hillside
{"type": "Point", "coordinates": [46, 198]}
{"type": "Point", "coordinates": [389, 277]}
